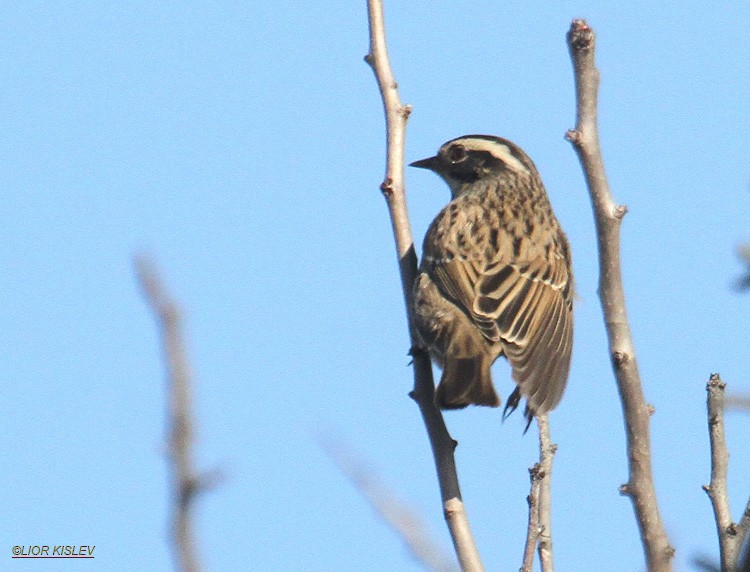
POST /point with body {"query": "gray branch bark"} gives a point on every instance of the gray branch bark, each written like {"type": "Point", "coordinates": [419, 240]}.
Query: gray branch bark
{"type": "Point", "coordinates": [546, 453]}
{"type": "Point", "coordinates": [608, 216]}
{"type": "Point", "coordinates": [396, 115]}
{"type": "Point", "coordinates": [539, 530]}
{"type": "Point", "coordinates": [185, 482]}
{"type": "Point", "coordinates": [731, 534]}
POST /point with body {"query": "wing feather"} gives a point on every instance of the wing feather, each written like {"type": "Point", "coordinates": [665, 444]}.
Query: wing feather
{"type": "Point", "coordinates": [526, 306]}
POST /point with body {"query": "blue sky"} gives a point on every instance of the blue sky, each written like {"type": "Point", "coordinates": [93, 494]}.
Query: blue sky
{"type": "Point", "coordinates": [241, 144]}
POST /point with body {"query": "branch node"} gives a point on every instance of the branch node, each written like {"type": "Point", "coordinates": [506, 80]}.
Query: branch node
{"type": "Point", "coordinates": [386, 187]}
{"type": "Point", "coordinates": [626, 490]}
{"type": "Point", "coordinates": [714, 382]}
{"type": "Point", "coordinates": [619, 359]}
{"type": "Point", "coordinates": [368, 60]}
{"type": "Point", "coordinates": [580, 35]}
{"type": "Point", "coordinates": [534, 472]}
{"type": "Point", "coordinates": [620, 211]}
{"type": "Point", "coordinates": [651, 409]}
{"type": "Point", "coordinates": [574, 136]}
{"type": "Point", "coordinates": [406, 110]}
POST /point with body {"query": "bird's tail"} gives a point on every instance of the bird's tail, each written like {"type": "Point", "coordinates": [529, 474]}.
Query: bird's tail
{"type": "Point", "coordinates": [466, 381]}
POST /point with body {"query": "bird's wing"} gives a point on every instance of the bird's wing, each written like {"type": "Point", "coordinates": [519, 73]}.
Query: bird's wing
{"type": "Point", "coordinates": [531, 304]}
{"type": "Point", "coordinates": [527, 307]}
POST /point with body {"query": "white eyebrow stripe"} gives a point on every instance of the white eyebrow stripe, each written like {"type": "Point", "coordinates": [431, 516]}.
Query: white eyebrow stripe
{"type": "Point", "coordinates": [496, 148]}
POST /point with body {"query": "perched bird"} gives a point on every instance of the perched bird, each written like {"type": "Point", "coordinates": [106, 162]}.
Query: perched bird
{"type": "Point", "coordinates": [495, 279]}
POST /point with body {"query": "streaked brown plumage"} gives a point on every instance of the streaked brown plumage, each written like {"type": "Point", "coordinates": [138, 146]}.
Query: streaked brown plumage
{"type": "Point", "coordinates": [495, 279]}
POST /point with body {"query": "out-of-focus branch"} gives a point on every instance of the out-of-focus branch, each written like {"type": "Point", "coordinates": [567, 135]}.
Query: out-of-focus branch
{"type": "Point", "coordinates": [743, 252]}
{"type": "Point", "coordinates": [731, 535]}
{"type": "Point", "coordinates": [186, 483]}
{"type": "Point", "coordinates": [739, 402]}
{"type": "Point", "coordinates": [395, 512]}
{"type": "Point", "coordinates": [608, 216]}
{"type": "Point", "coordinates": [705, 564]}
{"type": "Point", "coordinates": [396, 115]}
{"type": "Point", "coordinates": [539, 531]}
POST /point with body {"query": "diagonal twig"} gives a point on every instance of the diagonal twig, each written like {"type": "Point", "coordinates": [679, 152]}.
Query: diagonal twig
{"type": "Point", "coordinates": [395, 512]}
{"type": "Point", "coordinates": [442, 444]}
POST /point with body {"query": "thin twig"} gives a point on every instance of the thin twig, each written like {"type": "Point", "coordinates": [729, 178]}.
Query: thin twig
{"type": "Point", "coordinates": [539, 530]}
{"type": "Point", "coordinates": [186, 483]}
{"type": "Point", "coordinates": [731, 535]}
{"type": "Point", "coordinates": [532, 530]}
{"type": "Point", "coordinates": [547, 451]}
{"type": "Point", "coordinates": [608, 216]}
{"type": "Point", "coordinates": [396, 513]}
{"type": "Point", "coordinates": [396, 115]}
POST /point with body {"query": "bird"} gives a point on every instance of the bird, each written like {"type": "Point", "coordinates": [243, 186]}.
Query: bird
{"type": "Point", "coordinates": [495, 280]}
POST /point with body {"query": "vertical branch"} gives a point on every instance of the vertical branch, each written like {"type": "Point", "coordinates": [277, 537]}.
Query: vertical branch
{"type": "Point", "coordinates": [547, 451]}
{"type": "Point", "coordinates": [532, 530]}
{"type": "Point", "coordinates": [731, 535]}
{"type": "Point", "coordinates": [539, 532]}
{"type": "Point", "coordinates": [608, 216]}
{"type": "Point", "coordinates": [396, 115]}
{"type": "Point", "coordinates": [185, 482]}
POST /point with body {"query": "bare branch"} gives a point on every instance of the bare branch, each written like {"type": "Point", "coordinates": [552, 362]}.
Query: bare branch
{"type": "Point", "coordinates": [186, 483]}
{"type": "Point", "coordinates": [532, 531]}
{"type": "Point", "coordinates": [396, 115]}
{"type": "Point", "coordinates": [547, 451]}
{"type": "Point", "coordinates": [608, 216]}
{"type": "Point", "coordinates": [395, 512]}
{"type": "Point", "coordinates": [539, 531]}
{"type": "Point", "coordinates": [731, 535]}
{"type": "Point", "coordinates": [717, 490]}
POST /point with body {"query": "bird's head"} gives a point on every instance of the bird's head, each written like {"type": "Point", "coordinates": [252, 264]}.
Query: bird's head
{"type": "Point", "coordinates": [464, 161]}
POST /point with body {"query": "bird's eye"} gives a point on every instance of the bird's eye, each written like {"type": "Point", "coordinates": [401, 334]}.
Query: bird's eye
{"type": "Point", "coordinates": [457, 153]}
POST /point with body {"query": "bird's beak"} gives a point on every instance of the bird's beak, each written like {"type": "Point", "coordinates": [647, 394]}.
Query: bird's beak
{"type": "Point", "coordinates": [429, 163]}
